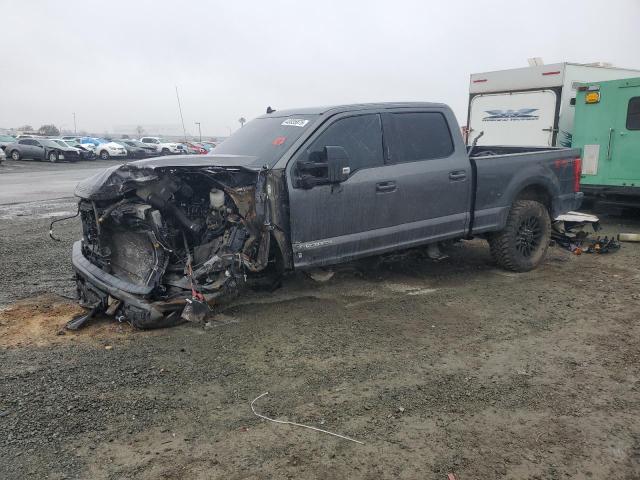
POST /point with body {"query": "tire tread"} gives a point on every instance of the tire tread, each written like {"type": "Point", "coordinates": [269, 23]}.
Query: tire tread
{"type": "Point", "coordinates": [500, 243]}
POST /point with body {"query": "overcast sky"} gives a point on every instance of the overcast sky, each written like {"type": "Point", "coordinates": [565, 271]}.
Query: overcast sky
{"type": "Point", "coordinates": [116, 63]}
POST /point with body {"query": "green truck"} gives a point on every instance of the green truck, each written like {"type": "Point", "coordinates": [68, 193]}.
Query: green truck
{"type": "Point", "coordinates": [607, 129]}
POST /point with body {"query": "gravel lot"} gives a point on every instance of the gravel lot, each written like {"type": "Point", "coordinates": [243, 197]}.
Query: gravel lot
{"type": "Point", "coordinates": [439, 367]}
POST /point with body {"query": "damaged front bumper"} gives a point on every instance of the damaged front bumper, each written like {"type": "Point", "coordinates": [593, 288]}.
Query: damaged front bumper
{"type": "Point", "coordinates": [97, 287]}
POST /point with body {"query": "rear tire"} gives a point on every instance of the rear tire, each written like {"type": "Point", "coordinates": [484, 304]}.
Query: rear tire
{"type": "Point", "coordinates": [15, 155]}
{"type": "Point", "coordinates": [52, 157]}
{"type": "Point", "coordinates": [523, 243]}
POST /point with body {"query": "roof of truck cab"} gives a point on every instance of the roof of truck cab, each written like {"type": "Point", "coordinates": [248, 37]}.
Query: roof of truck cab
{"type": "Point", "coordinates": [334, 109]}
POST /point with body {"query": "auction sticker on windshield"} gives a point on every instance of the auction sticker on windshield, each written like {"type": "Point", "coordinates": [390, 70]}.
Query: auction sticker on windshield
{"type": "Point", "coordinates": [295, 122]}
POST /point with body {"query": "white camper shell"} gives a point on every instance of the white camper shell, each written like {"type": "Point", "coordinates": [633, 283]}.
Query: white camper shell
{"type": "Point", "coordinates": [531, 106]}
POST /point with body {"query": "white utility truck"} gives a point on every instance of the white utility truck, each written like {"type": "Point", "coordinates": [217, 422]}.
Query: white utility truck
{"type": "Point", "coordinates": [531, 106]}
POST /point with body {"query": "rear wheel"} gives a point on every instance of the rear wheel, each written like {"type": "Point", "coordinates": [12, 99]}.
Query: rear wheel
{"type": "Point", "coordinates": [104, 155]}
{"type": "Point", "coordinates": [52, 157]}
{"type": "Point", "coordinates": [523, 243]}
{"type": "Point", "coordinates": [15, 155]}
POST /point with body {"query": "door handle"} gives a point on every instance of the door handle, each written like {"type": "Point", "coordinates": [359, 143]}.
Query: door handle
{"type": "Point", "coordinates": [457, 175]}
{"type": "Point", "coordinates": [385, 187]}
{"type": "Point", "coordinates": [609, 144]}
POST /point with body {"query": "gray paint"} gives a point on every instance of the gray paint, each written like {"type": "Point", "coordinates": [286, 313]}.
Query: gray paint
{"type": "Point", "coordinates": [335, 223]}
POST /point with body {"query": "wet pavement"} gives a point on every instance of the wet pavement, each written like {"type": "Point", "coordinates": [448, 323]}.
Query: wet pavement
{"type": "Point", "coordinates": [31, 181]}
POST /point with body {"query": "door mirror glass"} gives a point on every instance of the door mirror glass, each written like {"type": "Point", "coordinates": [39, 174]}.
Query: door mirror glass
{"type": "Point", "coordinates": [337, 164]}
{"type": "Point", "coordinates": [330, 165]}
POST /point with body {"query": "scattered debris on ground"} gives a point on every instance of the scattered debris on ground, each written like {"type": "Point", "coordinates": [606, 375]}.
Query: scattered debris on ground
{"type": "Point", "coordinates": [41, 320]}
{"type": "Point", "coordinates": [570, 232]}
{"type": "Point", "coordinates": [286, 422]}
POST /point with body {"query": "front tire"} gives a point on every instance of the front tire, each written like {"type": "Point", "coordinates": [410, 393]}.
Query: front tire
{"type": "Point", "coordinates": [104, 155]}
{"type": "Point", "coordinates": [15, 155]}
{"type": "Point", "coordinates": [165, 151]}
{"type": "Point", "coordinates": [52, 157]}
{"type": "Point", "coordinates": [523, 243]}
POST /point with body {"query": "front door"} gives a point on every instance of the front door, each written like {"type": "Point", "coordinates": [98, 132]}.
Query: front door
{"type": "Point", "coordinates": [332, 223]}
{"type": "Point", "coordinates": [625, 139]}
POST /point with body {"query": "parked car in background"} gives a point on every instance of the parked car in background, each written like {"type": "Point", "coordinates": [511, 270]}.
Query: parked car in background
{"type": "Point", "coordinates": [89, 142]}
{"type": "Point", "coordinates": [207, 148]}
{"type": "Point", "coordinates": [3, 156]}
{"type": "Point", "coordinates": [6, 140]}
{"type": "Point", "coordinates": [41, 149]}
{"type": "Point", "coordinates": [105, 149]}
{"type": "Point", "coordinates": [137, 151]}
{"type": "Point", "coordinates": [209, 145]}
{"type": "Point", "coordinates": [86, 153]}
{"type": "Point", "coordinates": [164, 148]}
{"type": "Point", "coordinates": [194, 148]}
{"type": "Point", "coordinates": [63, 144]}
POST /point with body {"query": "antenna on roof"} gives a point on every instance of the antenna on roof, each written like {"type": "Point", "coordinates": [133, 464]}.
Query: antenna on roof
{"type": "Point", "coordinates": [270, 110]}
{"type": "Point", "coordinates": [535, 61]}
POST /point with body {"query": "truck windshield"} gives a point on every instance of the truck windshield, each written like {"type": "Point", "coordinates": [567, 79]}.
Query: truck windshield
{"type": "Point", "coordinates": [266, 138]}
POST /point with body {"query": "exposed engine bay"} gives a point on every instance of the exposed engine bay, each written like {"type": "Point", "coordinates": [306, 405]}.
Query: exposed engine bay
{"type": "Point", "coordinates": [170, 241]}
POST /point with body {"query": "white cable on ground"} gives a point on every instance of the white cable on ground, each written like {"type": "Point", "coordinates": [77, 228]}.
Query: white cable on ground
{"type": "Point", "coordinates": [298, 424]}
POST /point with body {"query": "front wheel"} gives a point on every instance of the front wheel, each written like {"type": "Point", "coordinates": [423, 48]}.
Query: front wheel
{"type": "Point", "coordinates": [15, 155]}
{"type": "Point", "coordinates": [523, 243]}
{"type": "Point", "coordinates": [53, 157]}
{"type": "Point", "coordinates": [165, 151]}
{"type": "Point", "coordinates": [104, 155]}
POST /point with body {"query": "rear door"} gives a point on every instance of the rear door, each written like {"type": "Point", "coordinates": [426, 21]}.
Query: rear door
{"type": "Point", "coordinates": [432, 173]}
{"type": "Point", "coordinates": [514, 118]}
{"type": "Point", "coordinates": [625, 138]}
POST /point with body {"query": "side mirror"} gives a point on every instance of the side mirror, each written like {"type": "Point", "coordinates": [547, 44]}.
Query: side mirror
{"type": "Point", "coordinates": [330, 165]}
{"type": "Point", "coordinates": [337, 163]}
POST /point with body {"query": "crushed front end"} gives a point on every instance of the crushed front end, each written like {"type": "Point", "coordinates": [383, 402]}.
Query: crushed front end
{"type": "Point", "coordinates": [163, 242]}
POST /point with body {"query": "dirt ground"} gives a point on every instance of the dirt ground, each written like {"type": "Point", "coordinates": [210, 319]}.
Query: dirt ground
{"type": "Point", "coordinates": [438, 367]}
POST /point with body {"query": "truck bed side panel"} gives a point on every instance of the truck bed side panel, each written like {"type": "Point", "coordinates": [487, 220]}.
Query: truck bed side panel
{"type": "Point", "coordinates": [501, 178]}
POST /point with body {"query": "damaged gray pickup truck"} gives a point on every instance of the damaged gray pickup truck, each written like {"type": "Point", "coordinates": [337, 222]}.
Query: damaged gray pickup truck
{"type": "Point", "coordinates": [299, 189]}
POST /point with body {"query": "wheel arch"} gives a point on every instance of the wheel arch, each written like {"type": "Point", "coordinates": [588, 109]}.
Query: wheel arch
{"type": "Point", "coordinates": [537, 192]}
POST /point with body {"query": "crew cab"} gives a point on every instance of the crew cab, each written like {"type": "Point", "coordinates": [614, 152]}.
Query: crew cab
{"type": "Point", "coordinates": [307, 188]}
{"type": "Point", "coordinates": [162, 147]}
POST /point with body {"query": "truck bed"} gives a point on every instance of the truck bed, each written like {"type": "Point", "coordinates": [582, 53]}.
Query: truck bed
{"type": "Point", "coordinates": [503, 172]}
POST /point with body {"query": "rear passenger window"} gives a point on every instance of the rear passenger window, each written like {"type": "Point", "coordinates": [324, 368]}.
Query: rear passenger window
{"type": "Point", "coordinates": [633, 114]}
{"type": "Point", "coordinates": [419, 136]}
{"type": "Point", "coordinates": [360, 136]}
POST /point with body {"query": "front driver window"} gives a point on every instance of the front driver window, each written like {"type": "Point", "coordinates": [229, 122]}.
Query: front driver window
{"type": "Point", "coordinates": [360, 136]}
